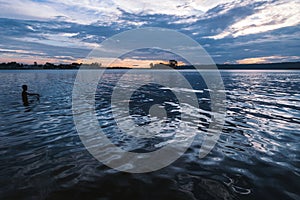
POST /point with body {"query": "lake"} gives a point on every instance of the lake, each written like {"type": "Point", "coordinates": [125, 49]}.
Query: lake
{"type": "Point", "coordinates": [256, 157]}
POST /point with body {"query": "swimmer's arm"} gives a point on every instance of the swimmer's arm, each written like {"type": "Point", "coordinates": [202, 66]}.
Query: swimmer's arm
{"type": "Point", "coordinates": [33, 94]}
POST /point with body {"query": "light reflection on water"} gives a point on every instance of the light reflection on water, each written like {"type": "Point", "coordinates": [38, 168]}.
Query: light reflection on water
{"type": "Point", "coordinates": [257, 155]}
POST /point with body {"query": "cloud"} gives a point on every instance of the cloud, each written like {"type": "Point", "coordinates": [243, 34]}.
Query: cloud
{"type": "Point", "coordinates": [27, 9]}
{"type": "Point", "coordinates": [105, 12]}
{"type": "Point", "coordinates": [91, 12]}
{"type": "Point", "coordinates": [28, 49]}
{"type": "Point", "coordinates": [268, 17]}
{"type": "Point", "coordinates": [20, 51]}
{"type": "Point", "coordinates": [60, 40]}
{"type": "Point", "coordinates": [84, 12]}
{"type": "Point", "coordinates": [268, 59]}
{"type": "Point", "coordinates": [166, 7]}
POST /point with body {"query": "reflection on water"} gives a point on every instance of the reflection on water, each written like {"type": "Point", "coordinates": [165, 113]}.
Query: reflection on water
{"type": "Point", "coordinates": [256, 157]}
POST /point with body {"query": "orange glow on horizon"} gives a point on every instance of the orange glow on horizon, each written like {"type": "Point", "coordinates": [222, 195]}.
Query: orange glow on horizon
{"type": "Point", "coordinates": [127, 62]}
{"type": "Point", "coordinates": [133, 63]}
{"type": "Point", "coordinates": [261, 60]}
{"type": "Point", "coordinates": [106, 62]}
{"type": "Point", "coordinates": [251, 61]}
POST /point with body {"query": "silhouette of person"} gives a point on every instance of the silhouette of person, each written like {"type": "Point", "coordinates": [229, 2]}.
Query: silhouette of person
{"type": "Point", "coordinates": [25, 95]}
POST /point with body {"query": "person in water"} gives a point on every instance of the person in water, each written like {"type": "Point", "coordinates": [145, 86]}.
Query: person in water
{"type": "Point", "coordinates": [25, 95]}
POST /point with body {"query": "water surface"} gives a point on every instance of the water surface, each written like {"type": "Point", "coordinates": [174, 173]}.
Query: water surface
{"type": "Point", "coordinates": [256, 157]}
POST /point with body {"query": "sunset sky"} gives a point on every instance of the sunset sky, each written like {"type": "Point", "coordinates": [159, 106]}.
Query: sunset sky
{"type": "Point", "coordinates": [231, 31]}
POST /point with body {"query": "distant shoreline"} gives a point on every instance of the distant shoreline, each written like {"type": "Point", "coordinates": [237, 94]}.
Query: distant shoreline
{"type": "Point", "coordinates": [76, 66]}
{"type": "Point", "coordinates": [267, 66]}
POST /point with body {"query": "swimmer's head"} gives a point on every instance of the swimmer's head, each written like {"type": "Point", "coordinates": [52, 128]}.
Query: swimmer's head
{"type": "Point", "coordinates": [24, 87]}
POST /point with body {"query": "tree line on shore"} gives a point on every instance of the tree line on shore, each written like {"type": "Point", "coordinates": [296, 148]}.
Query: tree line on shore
{"type": "Point", "coordinates": [172, 64]}
{"type": "Point", "coordinates": [47, 65]}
